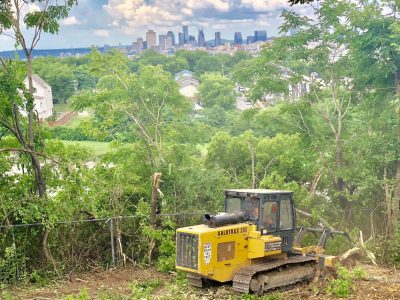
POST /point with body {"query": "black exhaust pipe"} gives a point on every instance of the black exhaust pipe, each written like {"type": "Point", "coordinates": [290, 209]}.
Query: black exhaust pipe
{"type": "Point", "coordinates": [223, 219]}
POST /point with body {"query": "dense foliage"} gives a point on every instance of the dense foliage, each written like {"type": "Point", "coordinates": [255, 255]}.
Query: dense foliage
{"type": "Point", "coordinates": [329, 132]}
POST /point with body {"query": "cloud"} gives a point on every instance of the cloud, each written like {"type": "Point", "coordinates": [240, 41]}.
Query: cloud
{"type": "Point", "coordinates": [264, 5]}
{"type": "Point", "coordinates": [102, 33]}
{"type": "Point", "coordinates": [72, 20]}
{"type": "Point", "coordinates": [135, 15]}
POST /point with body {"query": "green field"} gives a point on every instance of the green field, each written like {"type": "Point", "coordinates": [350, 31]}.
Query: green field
{"type": "Point", "coordinates": [96, 148]}
{"type": "Point", "coordinates": [76, 121]}
{"type": "Point", "coordinates": [61, 107]}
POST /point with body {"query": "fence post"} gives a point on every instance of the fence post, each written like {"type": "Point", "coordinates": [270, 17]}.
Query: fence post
{"type": "Point", "coordinates": [15, 253]}
{"type": "Point", "coordinates": [112, 241]}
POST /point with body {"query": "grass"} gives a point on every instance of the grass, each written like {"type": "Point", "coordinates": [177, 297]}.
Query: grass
{"type": "Point", "coordinates": [76, 121]}
{"type": "Point", "coordinates": [61, 107]}
{"type": "Point", "coordinates": [97, 148]}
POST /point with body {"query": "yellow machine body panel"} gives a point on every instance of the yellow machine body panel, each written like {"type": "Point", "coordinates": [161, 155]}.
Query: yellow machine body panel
{"type": "Point", "coordinates": [218, 253]}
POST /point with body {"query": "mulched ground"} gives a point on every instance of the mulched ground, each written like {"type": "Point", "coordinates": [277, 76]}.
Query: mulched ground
{"type": "Point", "coordinates": [384, 283]}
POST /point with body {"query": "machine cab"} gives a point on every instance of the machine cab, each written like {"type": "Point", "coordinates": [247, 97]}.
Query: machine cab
{"type": "Point", "coordinates": [272, 211]}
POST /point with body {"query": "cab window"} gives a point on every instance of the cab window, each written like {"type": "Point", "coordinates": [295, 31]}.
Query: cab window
{"type": "Point", "coordinates": [269, 219]}
{"type": "Point", "coordinates": [286, 213]}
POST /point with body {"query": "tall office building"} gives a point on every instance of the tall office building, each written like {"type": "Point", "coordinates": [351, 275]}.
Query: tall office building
{"type": "Point", "coordinates": [180, 39]}
{"type": "Point", "coordinates": [250, 39]}
{"type": "Point", "coordinates": [168, 43]}
{"type": "Point", "coordinates": [161, 41]}
{"type": "Point", "coordinates": [201, 41]}
{"type": "Point", "coordinates": [218, 39]}
{"type": "Point", "coordinates": [185, 34]}
{"type": "Point", "coordinates": [192, 41]}
{"type": "Point", "coordinates": [139, 42]}
{"type": "Point", "coordinates": [172, 36]}
{"type": "Point", "coordinates": [237, 40]}
{"type": "Point", "coordinates": [260, 36]}
{"type": "Point", "coordinates": [151, 38]}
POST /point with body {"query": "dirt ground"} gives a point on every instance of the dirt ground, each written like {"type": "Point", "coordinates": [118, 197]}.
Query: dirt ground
{"type": "Point", "coordinates": [381, 283]}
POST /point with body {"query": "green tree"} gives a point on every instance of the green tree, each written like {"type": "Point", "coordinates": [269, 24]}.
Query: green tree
{"type": "Point", "coordinates": [60, 76]}
{"type": "Point", "coordinates": [217, 90]}
{"type": "Point", "coordinates": [207, 64]}
{"type": "Point", "coordinates": [45, 19]}
{"type": "Point", "coordinates": [176, 64]}
{"type": "Point", "coordinates": [191, 57]}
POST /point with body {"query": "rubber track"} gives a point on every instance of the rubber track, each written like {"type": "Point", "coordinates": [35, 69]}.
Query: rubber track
{"type": "Point", "coordinates": [241, 281]}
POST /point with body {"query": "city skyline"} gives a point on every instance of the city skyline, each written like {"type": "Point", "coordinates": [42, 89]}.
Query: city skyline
{"type": "Point", "coordinates": [99, 22]}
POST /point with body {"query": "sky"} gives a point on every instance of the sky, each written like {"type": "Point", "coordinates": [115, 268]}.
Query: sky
{"type": "Point", "coordinates": [100, 22]}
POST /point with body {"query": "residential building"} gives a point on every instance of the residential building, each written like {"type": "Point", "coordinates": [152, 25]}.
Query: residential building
{"type": "Point", "coordinates": [185, 34]}
{"type": "Point", "coordinates": [151, 38]}
{"type": "Point", "coordinates": [172, 36]}
{"type": "Point", "coordinates": [217, 39]}
{"type": "Point", "coordinates": [260, 36]}
{"type": "Point", "coordinates": [237, 40]}
{"type": "Point", "coordinates": [184, 74]}
{"type": "Point", "coordinates": [201, 41]}
{"type": "Point", "coordinates": [43, 97]}
{"type": "Point", "coordinates": [188, 87]}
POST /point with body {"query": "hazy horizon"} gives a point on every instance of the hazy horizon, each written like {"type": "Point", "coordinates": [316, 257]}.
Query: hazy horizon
{"type": "Point", "coordinates": [100, 22]}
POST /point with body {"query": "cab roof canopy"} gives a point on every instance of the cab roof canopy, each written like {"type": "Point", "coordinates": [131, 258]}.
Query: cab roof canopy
{"type": "Point", "coordinates": [242, 192]}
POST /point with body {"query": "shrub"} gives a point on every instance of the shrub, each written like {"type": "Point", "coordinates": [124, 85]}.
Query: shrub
{"type": "Point", "coordinates": [394, 249]}
{"type": "Point", "coordinates": [69, 134]}
{"type": "Point", "coordinates": [342, 286]}
{"type": "Point", "coordinates": [143, 290]}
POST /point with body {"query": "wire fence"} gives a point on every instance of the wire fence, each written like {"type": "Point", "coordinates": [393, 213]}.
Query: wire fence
{"type": "Point", "coordinates": [28, 251]}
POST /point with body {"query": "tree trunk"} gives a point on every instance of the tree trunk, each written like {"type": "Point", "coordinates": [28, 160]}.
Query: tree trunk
{"type": "Point", "coordinates": [396, 196]}
{"type": "Point", "coordinates": [345, 204]}
{"type": "Point", "coordinates": [154, 202]}
{"type": "Point", "coordinates": [31, 138]}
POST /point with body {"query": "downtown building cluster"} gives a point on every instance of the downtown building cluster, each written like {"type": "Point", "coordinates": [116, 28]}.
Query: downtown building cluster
{"type": "Point", "coordinates": [168, 43]}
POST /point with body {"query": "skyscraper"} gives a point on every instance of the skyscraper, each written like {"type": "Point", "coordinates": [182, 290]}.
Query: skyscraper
{"type": "Point", "coordinates": [172, 36]}
{"type": "Point", "coordinates": [238, 38]}
{"type": "Point", "coordinates": [217, 39]}
{"type": "Point", "coordinates": [180, 39]}
{"type": "Point", "coordinates": [192, 41]}
{"type": "Point", "coordinates": [260, 36]}
{"type": "Point", "coordinates": [185, 34]}
{"type": "Point", "coordinates": [140, 45]}
{"type": "Point", "coordinates": [161, 41]}
{"type": "Point", "coordinates": [151, 38]}
{"type": "Point", "coordinates": [168, 43]}
{"type": "Point", "coordinates": [250, 39]}
{"type": "Point", "coordinates": [201, 41]}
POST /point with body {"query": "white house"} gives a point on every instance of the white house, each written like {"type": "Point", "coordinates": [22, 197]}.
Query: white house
{"type": "Point", "coordinates": [188, 87]}
{"type": "Point", "coordinates": [43, 97]}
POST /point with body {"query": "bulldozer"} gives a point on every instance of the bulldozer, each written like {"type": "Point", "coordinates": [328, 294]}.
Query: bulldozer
{"type": "Point", "coordinates": [254, 244]}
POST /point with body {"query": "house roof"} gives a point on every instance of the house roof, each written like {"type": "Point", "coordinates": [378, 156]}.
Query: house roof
{"type": "Point", "coordinates": [39, 80]}
{"type": "Point", "coordinates": [183, 72]}
{"type": "Point", "coordinates": [187, 81]}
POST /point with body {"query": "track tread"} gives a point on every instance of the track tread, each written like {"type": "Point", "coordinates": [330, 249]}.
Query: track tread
{"type": "Point", "coordinates": [241, 280]}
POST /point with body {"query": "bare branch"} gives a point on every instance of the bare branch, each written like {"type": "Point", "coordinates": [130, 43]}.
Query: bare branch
{"type": "Point", "coordinates": [30, 152]}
